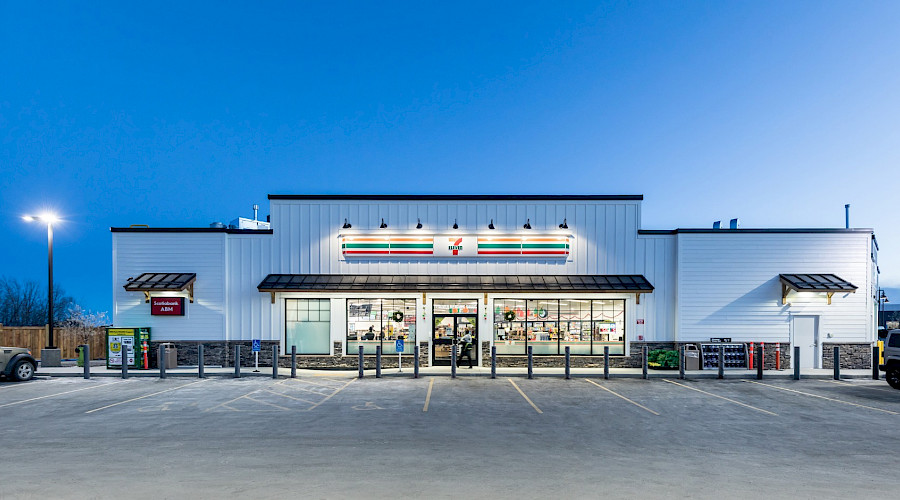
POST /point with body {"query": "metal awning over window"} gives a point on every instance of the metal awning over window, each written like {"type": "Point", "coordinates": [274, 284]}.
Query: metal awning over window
{"type": "Point", "coordinates": [827, 283]}
{"type": "Point", "coordinates": [635, 283]}
{"type": "Point", "coordinates": [162, 282]}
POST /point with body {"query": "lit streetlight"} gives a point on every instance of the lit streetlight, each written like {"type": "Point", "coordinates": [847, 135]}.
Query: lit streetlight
{"type": "Point", "coordinates": [49, 219]}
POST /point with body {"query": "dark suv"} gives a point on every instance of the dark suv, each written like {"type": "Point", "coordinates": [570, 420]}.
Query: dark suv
{"type": "Point", "coordinates": [891, 364]}
{"type": "Point", "coordinates": [17, 363]}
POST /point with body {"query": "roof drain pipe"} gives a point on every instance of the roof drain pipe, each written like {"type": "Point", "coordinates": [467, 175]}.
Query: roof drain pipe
{"type": "Point", "coordinates": [847, 216]}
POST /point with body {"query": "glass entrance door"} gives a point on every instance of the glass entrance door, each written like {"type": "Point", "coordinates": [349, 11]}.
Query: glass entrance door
{"type": "Point", "coordinates": [450, 330]}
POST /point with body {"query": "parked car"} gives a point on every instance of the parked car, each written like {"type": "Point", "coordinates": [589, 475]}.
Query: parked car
{"type": "Point", "coordinates": [17, 363]}
{"type": "Point", "coordinates": [891, 364]}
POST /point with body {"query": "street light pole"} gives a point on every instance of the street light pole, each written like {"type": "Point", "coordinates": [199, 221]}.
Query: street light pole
{"type": "Point", "coordinates": [49, 219]}
{"type": "Point", "coordinates": [50, 284]}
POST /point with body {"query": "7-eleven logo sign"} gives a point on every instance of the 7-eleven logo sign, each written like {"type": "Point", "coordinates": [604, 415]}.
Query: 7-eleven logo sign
{"type": "Point", "coordinates": [455, 245]}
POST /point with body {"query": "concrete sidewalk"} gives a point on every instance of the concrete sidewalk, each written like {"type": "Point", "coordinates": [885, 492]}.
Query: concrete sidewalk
{"type": "Point", "coordinates": [444, 371]}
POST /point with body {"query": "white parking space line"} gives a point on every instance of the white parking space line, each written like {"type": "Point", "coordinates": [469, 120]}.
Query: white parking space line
{"type": "Point", "coordinates": [57, 394]}
{"type": "Point", "coordinates": [144, 396]}
{"type": "Point", "coordinates": [879, 389]}
{"type": "Point", "coordinates": [623, 397]}
{"type": "Point", "coordinates": [524, 396]}
{"type": "Point", "coordinates": [428, 395]}
{"type": "Point", "coordinates": [823, 397]}
{"type": "Point", "coordinates": [722, 397]}
{"type": "Point", "coordinates": [313, 407]}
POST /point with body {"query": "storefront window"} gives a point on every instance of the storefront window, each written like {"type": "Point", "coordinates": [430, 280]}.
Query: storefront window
{"type": "Point", "coordinates": [509, 326]}
{"type": "Point", "coordinates": [380, 322]}
{"type": "Point", "coordinates": [308, 325]}
{"type": "Point", "coordinates": [548, 326]}
{"type": "Point", "coordinates": [608, 326]}
{"type": "Point", "coordinates": [575, 326]}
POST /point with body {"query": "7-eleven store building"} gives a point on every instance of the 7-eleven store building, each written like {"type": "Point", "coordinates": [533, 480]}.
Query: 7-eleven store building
{"type": "Point", "coordinates": [333, 274]}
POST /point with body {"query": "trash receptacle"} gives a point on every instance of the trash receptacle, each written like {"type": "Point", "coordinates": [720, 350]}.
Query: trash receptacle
{"type": "Point", "coordinates": [170, 355]}
{"type": "Point", "coordinates": [691, 357]}
{"type": "Point", "coordinates": [80, 351]}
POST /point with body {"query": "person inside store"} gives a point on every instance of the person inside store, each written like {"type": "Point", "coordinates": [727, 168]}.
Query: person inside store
{"type": "Point", "coordinates": [465, 346]}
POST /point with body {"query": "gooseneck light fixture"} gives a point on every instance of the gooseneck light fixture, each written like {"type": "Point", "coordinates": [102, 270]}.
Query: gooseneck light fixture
{"type": "Point", "coordinates": [346, 225]}
{"type": "Point", "coordinates": [564, 225]}
{"type": "Point", "coordinates": [383, 225]}
{"type": "Point", "coordinates": [527, 224]}
{"type": "Point", "coordinates": [455, 225]}
{"type": "Point", "coordinates": [491, 225]}
{"type": "Point", "coordinates": [49, 219]}
{"type": "Point", "coordinates": [418, 223]}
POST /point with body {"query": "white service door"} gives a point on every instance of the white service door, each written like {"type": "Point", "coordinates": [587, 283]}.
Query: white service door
{"type": "Point", "coordinates": [806, 336]}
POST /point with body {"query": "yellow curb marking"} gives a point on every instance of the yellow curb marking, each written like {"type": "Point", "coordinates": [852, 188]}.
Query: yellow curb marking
{"type": "Point", "coordinates": [824, 397]}
{"type": "Point", "coordinates": [623, 397]}
{"type": "Point", "coordinates": [428, 395]}
{"type": "Point", "coordinates": [524, 396]}
{"type": "Point", "coordinates": [722, 397]}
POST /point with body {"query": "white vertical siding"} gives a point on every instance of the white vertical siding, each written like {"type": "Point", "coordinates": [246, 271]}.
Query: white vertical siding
{"type": "Point", "coordinates": [306, 235]}
{"type": "Point", "coordinates": [249, 311]}
{"type": "Point", "coordinates": [201, 253]}
{"type": "Point", "coordinates": [655, 259]}
{"type": "Point", "coordinates": [728, 285]}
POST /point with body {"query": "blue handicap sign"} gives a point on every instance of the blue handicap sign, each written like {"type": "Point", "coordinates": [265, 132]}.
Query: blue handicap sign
{"type": "Point", "coordinates": [257, 345]}
{"type": "Point", "coordinates": [399, 345]}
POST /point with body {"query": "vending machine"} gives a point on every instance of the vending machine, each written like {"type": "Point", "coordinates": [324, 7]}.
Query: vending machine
{"type": "Point", "coordinates": [132, 343]}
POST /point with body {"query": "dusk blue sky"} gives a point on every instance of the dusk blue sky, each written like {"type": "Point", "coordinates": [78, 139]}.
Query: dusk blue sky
{"type": "Point", "coordinates": [185, 113]}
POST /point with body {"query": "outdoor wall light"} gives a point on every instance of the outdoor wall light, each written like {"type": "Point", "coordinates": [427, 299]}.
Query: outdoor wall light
{"type": "Point", "coordinates": [346, 225]}
{"type": "Point", "coordinates": [527, 224]}
{"type": "Point", "coordinates": [564, 225]}
{"type": "Point", "coordinates": [383, 225]}
{"type": "Point", "coordinates": [491, 225]}
{"type": "Point", "coordinates": [455, 225]}
{"type": "Point", "coordinates": [419, 224]}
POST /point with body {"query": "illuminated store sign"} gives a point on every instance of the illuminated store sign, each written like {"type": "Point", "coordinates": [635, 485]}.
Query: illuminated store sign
{"type": "Point", "coordinates": [553, 246]}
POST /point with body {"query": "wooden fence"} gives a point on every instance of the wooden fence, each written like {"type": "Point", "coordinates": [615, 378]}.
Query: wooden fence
{"type": "Point", "coordinates": [35, 338]}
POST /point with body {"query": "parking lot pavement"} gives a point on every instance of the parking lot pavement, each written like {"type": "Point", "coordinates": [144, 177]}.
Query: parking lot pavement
{"type": "Point", "coordinates": [335, 436]}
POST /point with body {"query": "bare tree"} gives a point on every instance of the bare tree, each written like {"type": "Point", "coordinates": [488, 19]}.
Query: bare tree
{"type": "Point", "coordinates": [25, 304]}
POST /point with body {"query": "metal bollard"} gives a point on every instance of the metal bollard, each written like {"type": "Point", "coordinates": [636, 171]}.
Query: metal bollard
{"type": "Point", "coordinates": [837, 362]}
{"type": "Point", "coordinates": [237, 361]}
{"type": "Point", "coordinates": [378, 361]}
{"type": "Point", "coordinates": [416, 363]}
{"type": "Point", "coordinates": [453, 361]}
{"type": "Point", "coordinates": [275, 361]}
{"type": "Point", "coordinates": [86, 352]}
{"type": "Point", "coordinates": [161, 358]}
{"type": "Point", "coordinates": [721, 363]}
{"type": "Point", "coordinates": [761, 360]}
{"type": "Point", "coordinates": [493, 361]}
{"type": "Point", "coordinates": [876, 355]}
{"type": "Point", "coordinates": [796, 362]}
{"type": "Point", "coordinates": [124, 361]}
{"type": "Point", "coordinates": [568, 372]}
{"type": "Point", "coordinates": [293, 361]}
{"type": "Point", "coordinates": [644, 361]}
{"type": "Point", "coordinates": [200, 362]}
{"type": "Point", "coordinates": [361, 362]}
{"type": "Point", "coordinates": [681, 364]}
{"type": "Point", "coordinates": [530, 362]}
{"type": "Point", "coordinates": [606, 362]}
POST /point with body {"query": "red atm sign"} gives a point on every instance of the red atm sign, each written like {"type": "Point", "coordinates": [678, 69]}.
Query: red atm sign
{"type": "Point", "coordinates": [167, 306]}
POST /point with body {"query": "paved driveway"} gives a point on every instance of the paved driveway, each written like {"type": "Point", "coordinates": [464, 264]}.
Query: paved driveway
{"type": "Point", "coordinates": [337, 437]}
